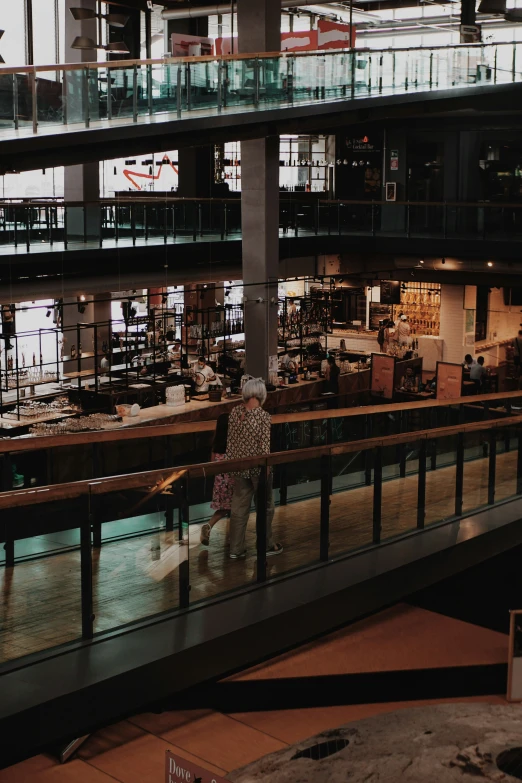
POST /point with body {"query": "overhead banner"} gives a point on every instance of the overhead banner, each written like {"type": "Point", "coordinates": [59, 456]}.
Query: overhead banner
{"type": "Point", "coordinates": [306, 40]}
{"type": "Point", "coordinates": [190, 45]}
{"type": "Point", "coordinates": [329, 35]}
{"type": "Point", "coordinates": [334, 35]}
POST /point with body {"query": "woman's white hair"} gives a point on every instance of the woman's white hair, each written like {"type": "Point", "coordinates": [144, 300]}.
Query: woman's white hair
{"type": "Point", "coordinates": [255, 387]}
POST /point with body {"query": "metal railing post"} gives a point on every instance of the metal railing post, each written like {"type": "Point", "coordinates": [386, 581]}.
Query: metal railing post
{"type": "Point", "coordinates": [256, 82]}
{"type": "Point", "coordinates": [85, 91]}
{"type": "Point", "coordinates": [421, 487]}
{"type": "Point", "coordinates": [15, 101]}
{"type": "Point", "coordinates": [86, 576]}
{"type": "Point", "coordinates": [261, 518]}
{"type": "Point", "coordinates": [184, 566]}
{"type": "Point", "coordinates": [492, 466]}
{"type": "Point", "coordinates": [135, 93]}
{"type": "Point", "coordinates": [377, 495]}
{"type": "Point", "coordinates": [149, 89]}
{"type": "Point", "coordinates": [459, 477]}
{"type": "Point", "coordinates": [34, 101]}
{"type": "Point", "coordinates": [178, 92]}
{"type": "Point", "coordinates": [514, 62]}
{"type": "Point", "coordinates": [324, 537]}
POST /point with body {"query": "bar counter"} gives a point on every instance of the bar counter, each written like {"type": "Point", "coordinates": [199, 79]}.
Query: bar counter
{"type": "Point", "coordinates": [204, 410]}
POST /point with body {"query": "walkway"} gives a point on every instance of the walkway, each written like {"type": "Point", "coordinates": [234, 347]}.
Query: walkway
{"type": "Point", "coordinates": [137, 577]}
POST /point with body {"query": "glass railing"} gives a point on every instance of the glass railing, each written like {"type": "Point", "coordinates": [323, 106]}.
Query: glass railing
{"type": "Point", "coordinates": [323, 502]}
{"type": "Point", "coordinates": [40, 225]}
{"type": "Point", "coordinates": [130, 91]}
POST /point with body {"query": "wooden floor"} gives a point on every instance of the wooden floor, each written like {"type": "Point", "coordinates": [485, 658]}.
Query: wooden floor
{"type": "Point", "coordinates": [138, 577]}
{"type": "Point", "coordinates": [400, 638]}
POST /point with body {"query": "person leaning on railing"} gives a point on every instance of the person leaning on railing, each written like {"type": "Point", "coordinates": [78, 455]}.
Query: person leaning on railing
{"type": "Point", "coordinates": [249, 436]}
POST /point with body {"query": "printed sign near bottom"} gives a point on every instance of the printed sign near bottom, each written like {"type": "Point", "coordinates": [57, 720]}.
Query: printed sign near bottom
{"type": "Point", "coordinates": [179, 770]}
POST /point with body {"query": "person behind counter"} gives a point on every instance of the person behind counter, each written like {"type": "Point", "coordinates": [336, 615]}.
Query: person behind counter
{"type": "Point", "coordinates": [332, 376]}
{"type": "Point", "coordinates": [289, 362]}
{"type": "Point", "coordinates": [203, 375]}
{"type": "Point", "coordinates": [249, 436]}
{"type": "Point", "coordinates": [402, 330]}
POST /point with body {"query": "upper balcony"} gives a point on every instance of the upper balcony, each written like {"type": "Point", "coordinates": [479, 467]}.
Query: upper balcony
{"type": "Point", "coordinates": [143, 102]}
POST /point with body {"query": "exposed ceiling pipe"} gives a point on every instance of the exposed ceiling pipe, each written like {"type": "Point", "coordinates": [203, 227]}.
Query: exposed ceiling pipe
{"type": "Point", "coordinates": [221, 8]}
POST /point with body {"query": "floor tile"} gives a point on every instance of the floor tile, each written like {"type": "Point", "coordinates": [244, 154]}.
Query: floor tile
{"type": "Point", "coordinates": [159, 723]}
{"type": "Point", "coordinates": [225, 742]}
{"type": "Point", "coordinates": [107, 739]}
{"type": "Point", "coordinates": [36, 771]}
{"type": "Point", "coordinates": [143, 760]}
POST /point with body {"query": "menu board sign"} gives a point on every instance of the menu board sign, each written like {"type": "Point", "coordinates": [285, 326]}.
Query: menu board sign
{"type": "Point", "coordinates": [179, 770]}
{"type": "Point", "coordinates": [382, 375]}
{"type": "Point", "coordinates": [449, 381]}
{"type": "Point", "coordinates": [390, 292]}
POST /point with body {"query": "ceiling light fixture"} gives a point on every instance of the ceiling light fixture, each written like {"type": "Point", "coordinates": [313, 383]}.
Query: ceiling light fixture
{"type": "Point", "coordinates": [114, 20]}
{"type": "Point", "coordinates": [83, 42]}
{"type": "Point", "coordinates": [490, 263]}
{"type": "Point", "coordinates": [443, 260]}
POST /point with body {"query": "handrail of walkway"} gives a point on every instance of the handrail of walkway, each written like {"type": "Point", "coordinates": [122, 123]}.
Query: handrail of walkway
{"type": "Point", "coordinates": [144, 432]}
{"type": "Point", "coordinates": [29, 69]}
{"type": "Point", "coordinates": [29, 497]}
{"type": "Point", "coordinates": [309, 198]}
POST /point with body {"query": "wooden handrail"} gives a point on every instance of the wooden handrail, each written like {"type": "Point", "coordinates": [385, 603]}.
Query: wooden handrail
{"type": "Point", "coordinates": [29, 497]}
{"type": "Point", "coordinates": [40, 443]}
{"type": "Point", "coordinates": [129, 200]}
{"type": "Point", "coordinates": [30, 69]}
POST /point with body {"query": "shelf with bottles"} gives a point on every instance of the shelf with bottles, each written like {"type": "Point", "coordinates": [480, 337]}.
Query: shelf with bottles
{"type": "Point", "coordinates": [421, 303]}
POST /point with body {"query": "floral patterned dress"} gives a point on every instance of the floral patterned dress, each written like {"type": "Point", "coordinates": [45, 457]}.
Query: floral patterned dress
{"type": "Point", "coordinates": [223, 488]}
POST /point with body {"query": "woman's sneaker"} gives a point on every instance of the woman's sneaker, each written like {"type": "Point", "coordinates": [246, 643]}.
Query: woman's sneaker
{"type": "Point", "coordinates": [238, 557]}
{"type": "Point", "coordinates": [276, 549]}
{"type": "Point", "coordinates": [205, 534]}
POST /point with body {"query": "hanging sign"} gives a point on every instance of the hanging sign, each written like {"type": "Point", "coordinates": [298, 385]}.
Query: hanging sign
{"type": "Point", "coordinates": [470, 33]}
{"type": "Point", "coordinates": [449, 381]}
{"type": "Point", "coordinates": [179, 770]}
{"type": "Point", "coordinates": [394, 160]}
{"type": "Point", "coordinates": [391, 191]}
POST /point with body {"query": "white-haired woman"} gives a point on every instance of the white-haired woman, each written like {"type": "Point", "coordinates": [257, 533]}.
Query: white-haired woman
{"type": "Point", "coordinates": [249, 436]}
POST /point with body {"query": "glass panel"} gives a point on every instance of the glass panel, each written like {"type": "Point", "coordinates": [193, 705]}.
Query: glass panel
{"type": "Point", "coordinates": [76, 87]}
{"type": "Point", "coordinates": [476, 471]}
{"type": "Point", "coordinates": [137, 573]}
{"type": "Point", "coordinates": [351, 507]}
{"type": "Point", "coordinates": [41, 598]}
{"type": "Point", "coordinates": [440, 482]}
{"type": "Point", "coordinates": [507, 463]}
{"type": "Point", "coordinates": [164, 86]}
{"type": "Point", "coordinates": [297, 521]}
{"type": "Point", "coordinates": [204, 77]}
{"type": "Point", "coordinates": [399, 494]}
{"type": "Point", "coordinates": [122, 91]}
{"type": "Point", "coordinates": [8, 100]}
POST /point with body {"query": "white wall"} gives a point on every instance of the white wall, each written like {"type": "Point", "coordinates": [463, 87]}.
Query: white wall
{"type": "Point", "coordinates": [452, 323]}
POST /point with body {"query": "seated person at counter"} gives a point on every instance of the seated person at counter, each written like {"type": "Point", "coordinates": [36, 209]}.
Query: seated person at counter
{"type": "Point", "coordinates": [477, 372]}
{"type": "Point", "coordinates": [203, 375]}
{"type": "Point", "coordinates": [468, 362]}
{"type": "Point", "coordinates": [408, 381]}
{"type": "Point", "coordinates": [289, 362]}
